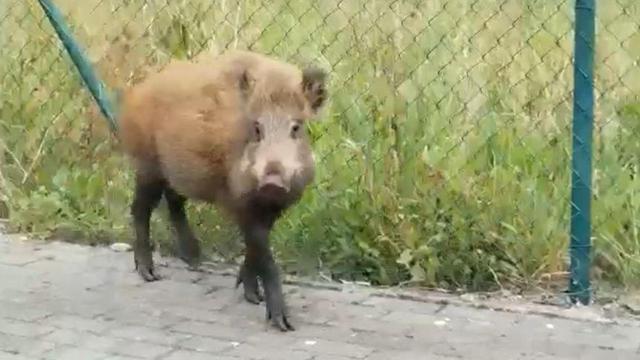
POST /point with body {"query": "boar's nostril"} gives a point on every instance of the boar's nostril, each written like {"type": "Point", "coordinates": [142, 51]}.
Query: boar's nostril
{"type": "Point", "coordinates": [273, 168]}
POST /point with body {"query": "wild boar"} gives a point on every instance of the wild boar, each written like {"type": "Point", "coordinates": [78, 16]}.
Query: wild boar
{"type": "Point", "coordinates": [230, 131]}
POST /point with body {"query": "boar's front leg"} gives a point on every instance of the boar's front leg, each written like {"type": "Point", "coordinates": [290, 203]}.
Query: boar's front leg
{"type": "Point", "coordinates": [258, 258]}
{"type": "Point", "coordinates": [248, 277]}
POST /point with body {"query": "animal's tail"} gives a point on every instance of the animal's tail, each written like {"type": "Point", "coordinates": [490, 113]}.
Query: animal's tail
{"type": "Point", "coordinates": [89, 77]}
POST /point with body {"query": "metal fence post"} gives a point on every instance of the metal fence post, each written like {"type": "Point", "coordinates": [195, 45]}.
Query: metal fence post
{"type": "Point", "coordinates": [82, 63]}
{"type": "Point", "coordinates": [580, 245]}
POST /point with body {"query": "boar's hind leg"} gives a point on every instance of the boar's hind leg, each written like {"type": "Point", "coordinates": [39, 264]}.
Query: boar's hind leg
{"type": "Point", "coordinates": [188, 246]}
{"type": "Point", "coordinates": [146, 198]}
{"type": "Point", "coordinates": [258, 256]}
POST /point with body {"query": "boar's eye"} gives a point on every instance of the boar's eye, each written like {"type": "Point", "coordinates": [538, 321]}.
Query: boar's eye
{"type": "Point", "coordinates": [295, 130]}
{"type": "Point", "coordinates": [257, 132]}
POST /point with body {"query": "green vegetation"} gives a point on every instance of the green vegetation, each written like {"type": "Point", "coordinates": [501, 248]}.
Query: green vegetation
{"type": "Point", "coordinates": [443, 157]}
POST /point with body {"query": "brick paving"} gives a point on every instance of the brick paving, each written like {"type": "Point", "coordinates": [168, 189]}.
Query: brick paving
{"type": "Point", "coordinates": [63, 301]}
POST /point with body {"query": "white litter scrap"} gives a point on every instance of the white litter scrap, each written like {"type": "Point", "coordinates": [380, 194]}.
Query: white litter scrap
{"type": "Point", "coordinates": [440, 323]}
{"type": "Point", "coordinates": [550, 326]}
{"type": "Point", "coordinates": [310, 342]}
{"type": "Point", "coordinates": [120, 247]}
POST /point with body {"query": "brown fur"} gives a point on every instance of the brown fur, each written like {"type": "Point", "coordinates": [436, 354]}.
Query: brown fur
{"type": "Point", "coordinates": [218, 131]}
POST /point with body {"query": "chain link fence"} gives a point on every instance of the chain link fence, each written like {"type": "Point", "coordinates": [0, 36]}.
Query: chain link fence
{"type": "Point", "coordinates": [443, 158]}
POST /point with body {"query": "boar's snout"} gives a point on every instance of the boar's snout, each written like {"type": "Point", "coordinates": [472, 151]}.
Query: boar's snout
{"type": "Point", "coordinates": [272, 182]}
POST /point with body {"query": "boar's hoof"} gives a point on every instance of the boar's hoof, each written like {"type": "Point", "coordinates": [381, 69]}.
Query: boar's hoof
{"type": "Point", "coordinates": [250, 285]}
{"type": "Point", "coordinates": [146, 271]}
{"type": "Point", "coordinates": [276, 309]}
{"type": "Point", "coordinates": [277, 315]}
{"type": "Point", "coordinates": [252, 295]}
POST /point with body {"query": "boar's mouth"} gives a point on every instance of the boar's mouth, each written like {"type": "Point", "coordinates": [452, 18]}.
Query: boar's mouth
{"type": "Point", "coordinates": [273, 194]}
{"type": "Point", "coordinates": [270, 195]}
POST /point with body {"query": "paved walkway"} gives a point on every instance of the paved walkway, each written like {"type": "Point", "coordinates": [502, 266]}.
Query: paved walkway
{"type": "Point", "coordinates": [61, 301]}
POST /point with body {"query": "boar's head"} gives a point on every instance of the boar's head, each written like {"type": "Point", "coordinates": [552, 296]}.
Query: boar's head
{"type": "Point", "coordinates": [276, 161]}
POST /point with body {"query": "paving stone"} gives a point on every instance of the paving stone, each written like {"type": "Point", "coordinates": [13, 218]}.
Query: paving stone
{"type": "Point", "coordinates": [79, 323]}
{"type": "Point", "coordinates": [74, 353]}
{"type": "Point", "coordinates": [152, 319]}
{"type": "Point", "coordinates": [10, 356]}
{"type": "Point", "coordinates": [140, 349]}
{"type": "Point", "coordinates": [331, 357]}
{"type": "Point", "coordinates": [194, 355]}
{"type": "Point", "coordinates": [146, 334]}
{"type": "Point", "coordinates": [24, 328]}
{"type": "Point", "coordinates": [23, 312]}
{"type": "Point", "coordinates": [24, 346]}
{"type": "Point", "coordinates": [247, 351]}
{"type": "Point", "coordinates": [329, 347]}
{"type": "Point", "coordinates": [408, 355]}
{"type": "Point", "coordinates": [206, 344]}
{"type": "Point", "coordinates": [82, 339]}
{"type": "Point", "coordinates": [212, 330]}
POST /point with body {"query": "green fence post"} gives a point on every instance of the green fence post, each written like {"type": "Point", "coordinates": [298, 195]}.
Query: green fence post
{"type": "Point", "coordinates": [580, 245]}
{"type": "Point", "coordinates": [80, 60]}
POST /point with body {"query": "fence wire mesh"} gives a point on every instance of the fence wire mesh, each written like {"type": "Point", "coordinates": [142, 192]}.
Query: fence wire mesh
{"type": "Point", "coordinates": [443, 157]}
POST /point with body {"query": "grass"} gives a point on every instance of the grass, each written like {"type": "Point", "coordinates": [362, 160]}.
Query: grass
{"type": "Point", "coordinates": [444, 153]}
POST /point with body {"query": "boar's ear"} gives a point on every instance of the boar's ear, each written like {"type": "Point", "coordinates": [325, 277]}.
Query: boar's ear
{"type": "Point", "coordinates": [313, 87]}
